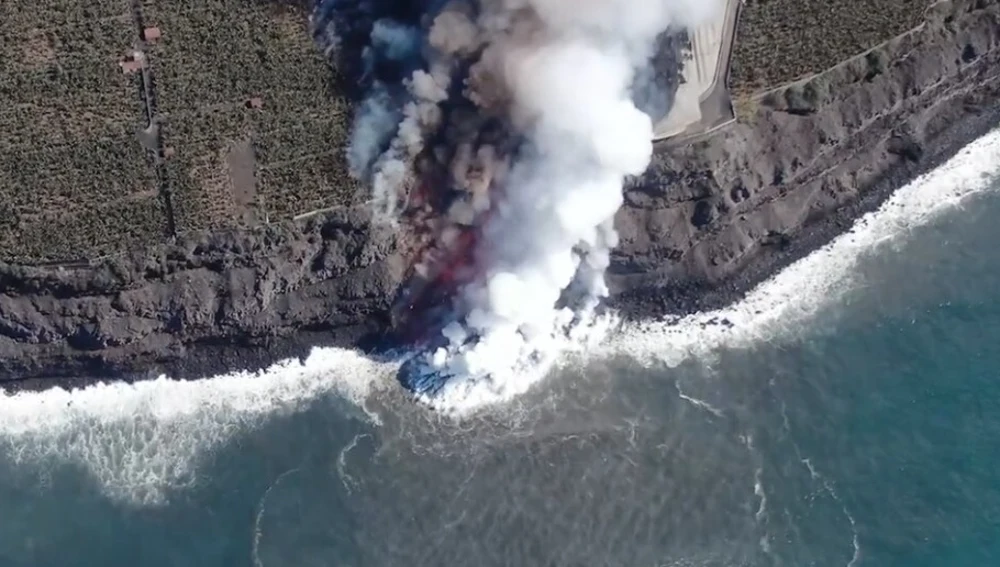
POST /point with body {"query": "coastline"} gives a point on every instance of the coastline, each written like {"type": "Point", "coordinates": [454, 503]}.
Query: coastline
{"type": "Point", "coordinates": [212, 358]}
{"type": "Point", "coordinates": [219, 304]}
{"type": "Point", "coordinates": [689, 297]}
{"type": "Point", "coordinates": [746, 202]}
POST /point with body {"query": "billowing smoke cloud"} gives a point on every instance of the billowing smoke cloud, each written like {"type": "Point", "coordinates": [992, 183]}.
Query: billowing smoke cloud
{"type": "Point", "coordinates": [513, 126]}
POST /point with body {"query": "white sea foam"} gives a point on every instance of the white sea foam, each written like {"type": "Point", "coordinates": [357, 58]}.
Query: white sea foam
{"type": "Point", "coordinates": [140, 441]}
{"type": "Point", "coordinates": [778, 308]}
{"type": "Point", "coordinates": [463, 396]}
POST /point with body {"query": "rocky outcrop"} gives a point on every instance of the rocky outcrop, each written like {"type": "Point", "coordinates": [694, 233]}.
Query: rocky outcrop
{"type": "Point", "coordinates": [710, 219]}
{"type": "Point", "coordinates": [208, 303]}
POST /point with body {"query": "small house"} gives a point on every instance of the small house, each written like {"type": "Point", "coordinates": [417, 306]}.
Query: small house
{"type": "Point", "coordinates": [151, 33]}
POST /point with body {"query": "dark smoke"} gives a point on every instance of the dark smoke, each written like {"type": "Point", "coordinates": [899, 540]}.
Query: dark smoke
{"type": "Point", "coordinates": [498, 133]}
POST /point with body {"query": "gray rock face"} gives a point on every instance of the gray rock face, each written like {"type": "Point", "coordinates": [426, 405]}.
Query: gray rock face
{"type": "Point", "coordinates": [206, 304]}
{"type": "Point", "coordinates": [712, 218]}
{"type": "Point", "coordinates": [709, 220]}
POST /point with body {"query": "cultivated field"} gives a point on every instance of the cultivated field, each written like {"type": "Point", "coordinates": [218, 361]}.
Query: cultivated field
{"type": "Point", "coordinates": [249, 123]}
{"type": "Point", "coordinates": [232, 162]}
{"type": "Point", "coordinates": [75, 181]}
{"type": "Point", "coordinates": [783, 40]}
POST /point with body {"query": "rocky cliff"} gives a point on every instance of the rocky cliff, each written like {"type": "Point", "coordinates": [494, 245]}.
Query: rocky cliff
{"type": "Point", "coordinates": [711, 218]}
{"type": "Point", "coordinates": [209, 303]}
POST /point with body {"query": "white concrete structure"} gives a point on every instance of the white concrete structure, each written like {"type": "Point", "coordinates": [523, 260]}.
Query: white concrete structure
{"type": "Point", "coordinates": [703, 74]}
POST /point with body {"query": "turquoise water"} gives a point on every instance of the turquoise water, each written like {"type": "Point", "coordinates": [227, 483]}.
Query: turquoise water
{"type": "Point", "coordinates": [863, 428]}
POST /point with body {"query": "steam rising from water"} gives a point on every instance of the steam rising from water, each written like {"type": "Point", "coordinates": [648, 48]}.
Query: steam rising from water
{"type": "Point", "coordinates": [141, 441]}
{"type": "Point", "coordinates": [527, 104]}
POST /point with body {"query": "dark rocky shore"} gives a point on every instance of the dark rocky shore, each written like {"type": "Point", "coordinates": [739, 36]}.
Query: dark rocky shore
{"type": "Point", "coordinates": [711, 219]}
{"type": "Point", "coordinates": [716, 217]}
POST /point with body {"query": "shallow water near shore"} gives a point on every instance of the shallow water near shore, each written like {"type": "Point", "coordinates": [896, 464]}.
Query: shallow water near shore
{"type": "Point", "coordinates": [849, 416]}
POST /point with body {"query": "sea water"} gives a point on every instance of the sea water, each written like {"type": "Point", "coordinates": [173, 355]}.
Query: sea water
{"type": "Point", "coordinates": [849, 415]}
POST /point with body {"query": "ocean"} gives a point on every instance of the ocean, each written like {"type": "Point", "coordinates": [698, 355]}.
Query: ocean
{"type": "Point", "coordinates": [846, 413]}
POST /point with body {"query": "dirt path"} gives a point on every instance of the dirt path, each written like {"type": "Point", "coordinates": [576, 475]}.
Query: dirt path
{"type": "Point", "coordinates": [152, 116]}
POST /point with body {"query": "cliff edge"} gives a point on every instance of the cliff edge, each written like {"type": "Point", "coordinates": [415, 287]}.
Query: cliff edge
{"type": "Point", "coordinates": [712, 217]}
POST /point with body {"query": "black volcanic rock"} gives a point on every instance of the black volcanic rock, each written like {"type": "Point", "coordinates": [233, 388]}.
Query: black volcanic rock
{"type": "Point", "coordinates": [790, 181]}
{"type": "Point", "coordinates": [709, 219]}
{"type": "Point", "coordinates": [333, 277]}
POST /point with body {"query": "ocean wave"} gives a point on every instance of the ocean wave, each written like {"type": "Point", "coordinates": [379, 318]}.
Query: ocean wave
{"type": "Point", "coordinates": [778, 308]}
{"type": "Point", "coordinates": [140, 441]}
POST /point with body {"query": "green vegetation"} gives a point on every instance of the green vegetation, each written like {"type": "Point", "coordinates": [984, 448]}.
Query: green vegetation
{"type": "Point", "coordinates": [96, 230]}
{"type": "Point", "coordinates": [17, 16]}
{"type": "Point", "coordinates": [30, 48]}
{"type": "Point", "coordinates": [213, 58]}
{"type": "Point", "coordinates": [202, 188]}
{"type": "Point", "coordinates": [779, 41]}
{"type": "Point", "coordinates": [319, 134]}
{"type": "Point", "coordinates": [75, 181]}
{"type": "Point", "coordinates": [746, 108]}
{"type": "Point", "coordinates": [82, 176]}
{"type": "Point", "coordinates": [283, 186]}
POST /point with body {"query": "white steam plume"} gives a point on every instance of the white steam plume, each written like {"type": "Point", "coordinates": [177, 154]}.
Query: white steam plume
{"type": "Point", "coordinates": [421, 117]}
{"type": "Point", "coordinates": [566, 69]}
{"type": "Point", "coordinates": [558, 77]}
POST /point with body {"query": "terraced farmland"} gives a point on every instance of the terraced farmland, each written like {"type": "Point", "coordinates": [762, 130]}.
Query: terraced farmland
{"type": "Point", "coordinates": [75, 178]}
{"type": "Point", "coordinates": [231, 117]}
{"type": "Point", "coordinates": [779, 41]}
{"type": "Point", "coordinates": [250, 110]}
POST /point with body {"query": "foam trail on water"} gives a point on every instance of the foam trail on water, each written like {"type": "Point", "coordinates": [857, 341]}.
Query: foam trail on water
{"type": "Point", "coordinates": [778, 308]}
{"type": "Point", "coordinates": [140, 441]}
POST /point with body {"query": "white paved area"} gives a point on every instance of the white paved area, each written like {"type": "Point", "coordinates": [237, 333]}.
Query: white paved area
{"type": "Point", "coordinates": [702, 74]}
